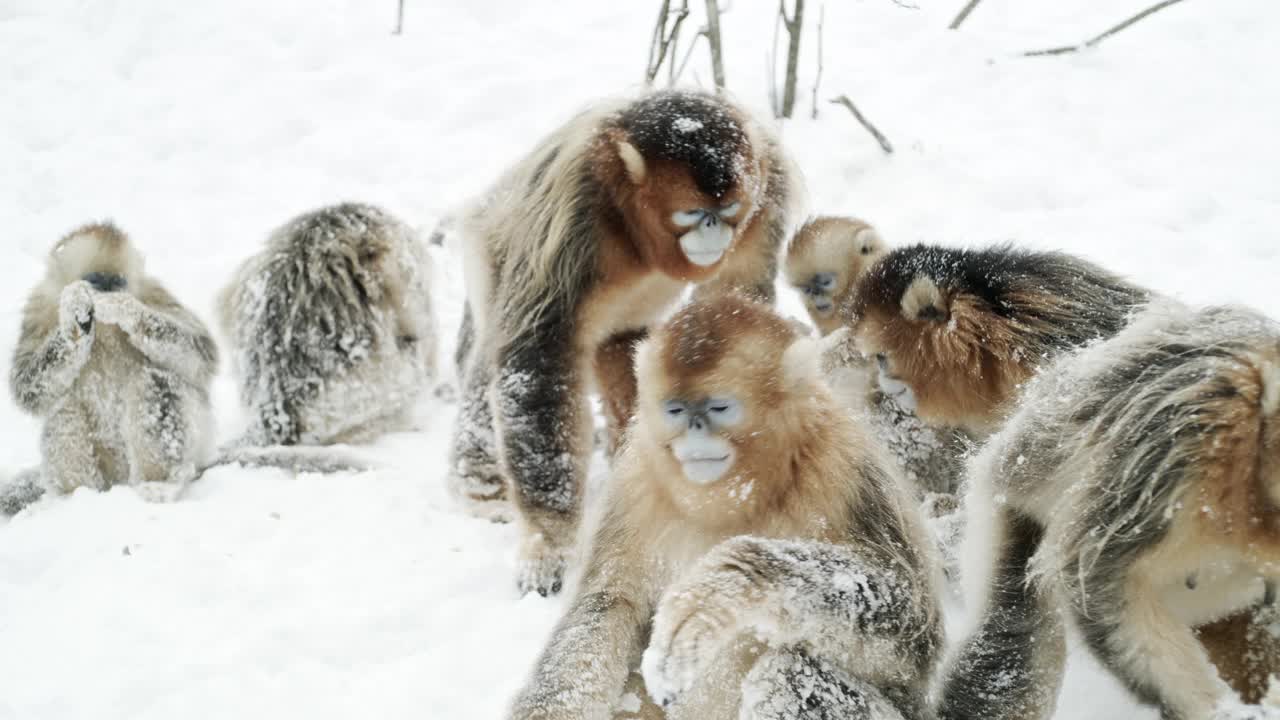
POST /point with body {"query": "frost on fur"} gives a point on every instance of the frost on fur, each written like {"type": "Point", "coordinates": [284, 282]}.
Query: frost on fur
{"type": "Point", "coordinates": [331, 328]}
{"type": "Point", "coordinates": [116, 368]}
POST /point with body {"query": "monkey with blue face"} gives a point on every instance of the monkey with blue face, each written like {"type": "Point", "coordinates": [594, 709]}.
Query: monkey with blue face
{"type": "Point", "coordinates": [117, 369]}
{"type": "Point", "coordinates": [583, 244]}
{"type": "Point", "coordinates": [754, 538]}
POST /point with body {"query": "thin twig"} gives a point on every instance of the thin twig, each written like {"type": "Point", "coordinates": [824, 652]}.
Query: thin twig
{"type": "Point", "coordinates": [879, 136]}
{"type": "Point", "coordinates": [702, 32]}
{"type": "Point", "coordinates": [399, 19]}
{"type": "Point", "coordinates": [772, 60]}
{"type": "Point", "coordinates": [964, 13]}
{"type": "Point", "coordinates": [713, 37]}
{"type": "Point", "coordinates": [1093, 41]}
{"type": "Point", "coordinates": [795, 24]}
{"type": "Point", "coordinates": [817, 81]}
{"type": "Point", "coordinates": [662, 46]}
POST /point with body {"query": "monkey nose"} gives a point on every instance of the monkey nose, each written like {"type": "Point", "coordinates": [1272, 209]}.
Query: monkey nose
{"type": "Point", "coordinates": [882, 361]}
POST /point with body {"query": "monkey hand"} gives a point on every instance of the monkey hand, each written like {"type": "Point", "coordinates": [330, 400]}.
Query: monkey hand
{"type": "Point", "coordinates": [118, 308]}
{"type": "Point", "coordinates": [696, 619]}
{"type": "Point", "coordinates": [76, 312]}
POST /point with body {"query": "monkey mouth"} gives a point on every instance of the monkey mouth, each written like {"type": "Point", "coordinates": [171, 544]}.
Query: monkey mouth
{"type": "Point", "coordinates": [823, 306]}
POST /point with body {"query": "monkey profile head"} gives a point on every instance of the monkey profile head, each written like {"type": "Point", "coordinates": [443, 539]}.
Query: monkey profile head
{"type": "Point", "coordinates": [683, 169]}
{"type": "Point", "coordinates": [826, 258]}
{"type": "Point", "coordinates": [944, 331]}
{"type": "Point", "coordinates": [720, 386]}
{"type": "Point", "coordinates": [100, 254]}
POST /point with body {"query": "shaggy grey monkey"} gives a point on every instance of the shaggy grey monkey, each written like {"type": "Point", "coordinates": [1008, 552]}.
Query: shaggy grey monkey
{"type": "Point", "coordinates": [331, 328]}
{"type": "Point", "coordinates": [117, 369]}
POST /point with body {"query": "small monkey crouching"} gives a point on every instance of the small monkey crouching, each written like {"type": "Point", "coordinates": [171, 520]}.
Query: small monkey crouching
{"type": "Point", "coordinates": [117, 369]}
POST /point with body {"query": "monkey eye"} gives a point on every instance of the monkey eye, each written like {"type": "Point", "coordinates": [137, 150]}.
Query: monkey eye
{"type": "Point", "coordinates": [730, 210]}
{"type": "Point", "coordinates": [688, 218]}
{"type": "Point", "coordinates": [674, 408]}
{"type": "Point", "coordinates": [824, 280]}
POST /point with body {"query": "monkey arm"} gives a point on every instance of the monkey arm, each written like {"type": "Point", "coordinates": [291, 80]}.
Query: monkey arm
{"type": "Point", "coordinates": [544, 429]}
{"type": "Point", "coordinates": [833, 597]}
{"type": "Point", "coordinates": [585, 665]}
{"type": "Point", "coordinates": [44, 368]}
{"type": "Point", "coordinates": [165, 332]}
{"type": "Point", "coordinates": [52, 348]}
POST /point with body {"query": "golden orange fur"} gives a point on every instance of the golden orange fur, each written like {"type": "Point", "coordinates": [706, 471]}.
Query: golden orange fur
{"type": "Point", "coordinates": [842, 249]}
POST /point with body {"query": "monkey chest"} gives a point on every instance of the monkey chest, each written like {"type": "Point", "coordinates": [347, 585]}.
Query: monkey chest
{"type": "Point", "coordinates": [631, 304]}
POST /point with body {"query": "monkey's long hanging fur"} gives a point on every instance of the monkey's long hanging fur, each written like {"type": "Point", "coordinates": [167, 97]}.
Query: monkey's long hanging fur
{"type": "Point", "coordinates": [1138, 486]}
{"type": "Point", "coordinates": [331, 328]}
{"type": "Point", "coordinates": [568, 259]}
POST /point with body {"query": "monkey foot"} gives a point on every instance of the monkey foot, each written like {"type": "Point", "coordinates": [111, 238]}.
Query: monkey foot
{"type": "Point", "coordinates": [158, 492]}
{"type": "Point", "coordinates": [482, 496]}
{"type": "Point", "coordinates": [540, 567]}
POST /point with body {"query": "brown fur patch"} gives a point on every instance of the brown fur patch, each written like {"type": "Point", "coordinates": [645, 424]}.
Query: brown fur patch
{"type": "Point", "coordinates": [1244, 651]}
{"type": "Point", "coordinates": [963, 372]}
{"type": "Point", "coordinates": [1236, 469]}
{"type": "Point", "coordinates": [615, 375]}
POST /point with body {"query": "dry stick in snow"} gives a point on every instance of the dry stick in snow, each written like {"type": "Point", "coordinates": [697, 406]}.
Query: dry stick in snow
{"type": "Point", "coordinates": [1099, 38]}
{"type": "Point", "coordinates": [817, 81]}
{"type": "Point", "coordinates": [879, 136]}
{"type": "Point", "coordinates": [713, 37]}
{"type": "Point", "coordinates": [399, 18]}
{"type": "Point", "coordinates": [964, 13]}
{"type": "Point", "coordinates": [794, 25]}
{"type": "Point", "coordinates": [664, 42]}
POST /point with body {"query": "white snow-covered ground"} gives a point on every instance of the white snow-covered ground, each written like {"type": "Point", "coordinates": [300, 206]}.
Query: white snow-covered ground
{"type": "Point", "coordinates": [201, 126]}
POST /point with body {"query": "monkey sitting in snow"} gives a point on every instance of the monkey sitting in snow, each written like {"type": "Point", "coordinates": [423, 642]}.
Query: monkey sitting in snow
{"type": "Point", "coordinates": [117, 369]}
{"type": "Point", "coordinates": [753, 538]}
{"type": "Point", "coordinates": [331, 328]}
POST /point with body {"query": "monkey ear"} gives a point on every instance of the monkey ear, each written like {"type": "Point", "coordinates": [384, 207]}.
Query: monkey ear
{"type": "Point", "coordinates": [633, 160]}
{"type": "Point", "coordinates": [924, 301]}
{"type": "Point", "coordinates": [867, 240]}
{"type": "Point", "coordinates": [801, 361]}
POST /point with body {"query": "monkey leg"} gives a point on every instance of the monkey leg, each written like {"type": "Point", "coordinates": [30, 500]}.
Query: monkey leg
{"type": "Point", "coordinates": [69, 451]}
{"type": "Point", "coordinates": [1011, 666]}
{"type": "Point", "coordinates": [1122, 615]}
{"type": "Point", "coordinates": [544, 432]}
{"type": "Point", "coordinates": [1245, 650]}
{"type": "Point", "coordinates": [162, 442]}
{"type": "Point", "coordinates": [475, 478]}
{"type": "Point", "coordinates": [790, 684]}
{"type": "Point", "coordinates": [615, 373]}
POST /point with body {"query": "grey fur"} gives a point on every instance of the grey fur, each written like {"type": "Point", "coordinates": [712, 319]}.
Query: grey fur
{"type": "Point", "coordinates": [1099, 457]}
{"type": "Point", "coordinates": [331, 328]}
{"type": "Point", "coordinates": [120, 379]}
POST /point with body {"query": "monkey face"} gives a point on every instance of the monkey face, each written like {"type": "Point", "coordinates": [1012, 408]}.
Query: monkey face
{"type": "Point", "coordinates": [824, 262]}
{"type": "Point", "coordinates": [695, 229]}
{"type": "Point", "coordinates": [697, 440]}
{"type": "Point", "coordinates": [101, 255]}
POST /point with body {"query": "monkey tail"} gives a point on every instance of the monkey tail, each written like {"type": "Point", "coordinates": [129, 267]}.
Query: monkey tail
{"type": "Point", "coordinates": [19, 492]}
{"type": "Point", "coordinates": [295, 458]}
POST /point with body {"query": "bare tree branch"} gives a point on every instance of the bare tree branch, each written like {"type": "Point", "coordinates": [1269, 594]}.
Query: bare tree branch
{"type": "Point", "coordinates": [713, 37]}
{"type": "Point", "coordinates": [702, 32]}
{"type": "Point", "coordinates": [1093, 41]}
{"type": "Point", "coordinates": [771, 61]}
{"type": "Point", "coordinates": [817, 81]}
{"type": "Point", "coordinates": [662, 46]}
{"type": "Point", "coordinates": [399, 19]}
{"type": "Point", "coordinates": [794, 24]}
{"type": "Point", "coordinates": [879, 136]}
{"type": "Point", "coordinates": [964, 13]}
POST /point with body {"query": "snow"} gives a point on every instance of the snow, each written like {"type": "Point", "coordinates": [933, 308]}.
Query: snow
{"type": "Point", "coordinates": [199, 127]}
